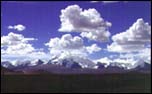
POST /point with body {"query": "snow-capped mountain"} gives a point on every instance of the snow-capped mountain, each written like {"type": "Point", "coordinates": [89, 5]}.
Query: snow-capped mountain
{"type": "Point", "coordinates": [121, 67]}
{"type": "Point", "coordinates": [100, 65]}
{"type": "Point", "coordinates": [144, 67]}
{"type": "Point", "coordinates": [36, 62]}
{"type": "Point", "coordinates": [7, 64]}
{"type": "Point", "coordinates": [70, 63]}
{"type": "Point", "coordinates": [21, 64]}
{"type": "Point", "coordinates": [74, 62]}
{"type": "Point", "coordinates": [116, 65]}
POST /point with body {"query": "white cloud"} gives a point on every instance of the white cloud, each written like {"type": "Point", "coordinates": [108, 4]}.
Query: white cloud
{"type": "Point", "coordinates": [128, 60]}
{"type": "Point", "coordinates": [16, 46]}
{"type": "Point", "coordinates": [88, 22]}
{"type": "Point", "coordinates": [21, 48]}
{"type": "Point", "coordinates": [104, 60]}
{"type": "Point", "coordinates": [18, 27]}
{"type": "Point", "coordinates": [133, 44]}
{"type": "Point", "coordinates": [93, 48]}
{"type": "Point", "coordinates": [126, 63]}
{"type": "Point", "coordinates": [94, 1]}
{"type": "Point", "coordinates": [24, 57]}
{"type": "Point", "coordinates": [14, 39]}
{"type": "Point", "coordinates": [107, 2]}
{"type": "Point", "coordinates": [68, 44]}
{"type": "Point", "coordinates": [65, 44]}
{"type": "Point", "coordinates": [132, 40]}
{"type": "Point", "coordinates": [144, 55]}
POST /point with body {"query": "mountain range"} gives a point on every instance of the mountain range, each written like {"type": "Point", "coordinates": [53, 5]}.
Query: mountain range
{"type": "Point", "coordinates": [69, 66]}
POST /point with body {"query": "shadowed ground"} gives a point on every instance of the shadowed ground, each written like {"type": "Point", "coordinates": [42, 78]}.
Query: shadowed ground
{"type": "Point", "coordinates": [84, 83]}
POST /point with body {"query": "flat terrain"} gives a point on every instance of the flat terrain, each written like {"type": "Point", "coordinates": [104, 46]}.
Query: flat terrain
{"type": "Point", "coordinates": [77, 83]}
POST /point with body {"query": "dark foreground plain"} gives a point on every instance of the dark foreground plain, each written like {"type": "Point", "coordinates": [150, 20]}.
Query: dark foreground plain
{"type": "Point", "coordinates": [77, 83]}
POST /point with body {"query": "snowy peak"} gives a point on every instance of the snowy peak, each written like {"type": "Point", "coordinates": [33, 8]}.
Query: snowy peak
{"type": "Point", "coordinates": [7, 64]}
{"type": "Point", "coordinates": [145, 66]}
{"type": "Point", "coordinates": [37, 62]}
{"type": "Point", "coordinates": [74, 61]}
{"type": "Point", "coordinates": [21, 64]}
{"type": "Point", "coordinates": [70, 63]}
{"type": "Point", "coordinates": [100, 65]}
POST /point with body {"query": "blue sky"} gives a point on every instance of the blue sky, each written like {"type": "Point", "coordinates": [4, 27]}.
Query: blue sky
{"type": "Point", "coordinates": [42, 20]}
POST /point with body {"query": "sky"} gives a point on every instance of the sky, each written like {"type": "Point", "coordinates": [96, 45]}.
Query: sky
{"type": "Point", "coordinates": [99, 30]}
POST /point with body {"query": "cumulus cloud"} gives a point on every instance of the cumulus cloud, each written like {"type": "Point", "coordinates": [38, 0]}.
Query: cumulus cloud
{"type": "Point", "coordinates": [132, 40]}
{"type": "Point", "coordinates": [18, 27]}
{"type": "Point", "coordinates": [65, 44]}
{"type": "Point", "coordinates": [14, 39]}
{"type": "Point", "coordinates": [16, 45]}
{"type": "Point", "coordinates": [68, 44]}
{"type": "Point", "coordinates": [93, 48]}
{"type": "Point", "coordinates": [88, 22]}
